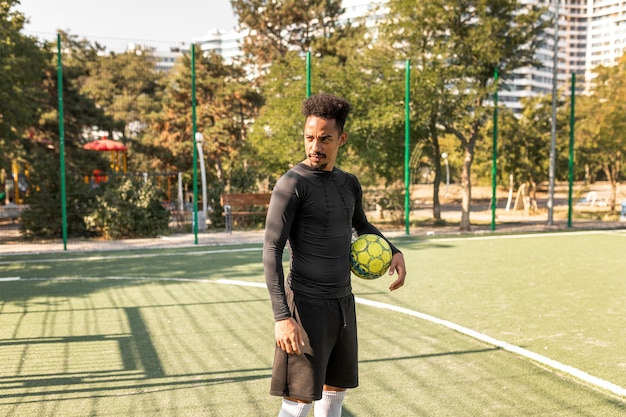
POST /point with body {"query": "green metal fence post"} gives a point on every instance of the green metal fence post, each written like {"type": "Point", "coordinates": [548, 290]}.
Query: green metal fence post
{"type": "Point", "coordinates": [308, 74]}
{"type": "Point", "coordinates": [571, 151]}
{"type": "Point", "coordinates": [407, 145]}
{"type": "Point", "coordinates": [61, 142]}
{"type": "Point", "coordinates": [193, 143]}
{"type": "Point", "coordinates": [494, 170]}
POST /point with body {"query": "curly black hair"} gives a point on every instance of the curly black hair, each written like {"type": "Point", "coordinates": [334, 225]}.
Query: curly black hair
{"type": "Point", "coordinates": [327, 106]}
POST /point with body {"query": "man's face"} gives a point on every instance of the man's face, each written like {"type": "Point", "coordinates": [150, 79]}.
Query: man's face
{"type": "Point", "coordinates": [322, 140]}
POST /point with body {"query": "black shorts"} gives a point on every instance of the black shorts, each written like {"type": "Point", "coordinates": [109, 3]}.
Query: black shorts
{"type": "Point", "coordinates": [330, 354]}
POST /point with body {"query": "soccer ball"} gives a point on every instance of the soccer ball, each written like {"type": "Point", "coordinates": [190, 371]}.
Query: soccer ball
{"type": "Point", "coordinates": [370, 256]}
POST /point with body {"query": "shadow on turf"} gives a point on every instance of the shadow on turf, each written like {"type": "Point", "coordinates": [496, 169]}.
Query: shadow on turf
{"type": "Point", "coordinates": [431, 355]}
{"type": "Point", "coordinates": [131, 386]}
{"type": "Point", "coordinates": [141, 370]}
{"type": "Point", "coordinates": [45, 278]}
{"type": "Point", "coordinates": [141, 367]}
{"type": "Point", "coordinates": [22, 291]}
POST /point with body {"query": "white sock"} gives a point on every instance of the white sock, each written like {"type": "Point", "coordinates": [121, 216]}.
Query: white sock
{"type": "Point", "coordinates": [294, 409]}
{"type": "Point", "coordinates": [330, 404]}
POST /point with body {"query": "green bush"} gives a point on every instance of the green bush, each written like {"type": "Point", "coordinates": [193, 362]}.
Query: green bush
{"type": "Point", "coordinates": [42, 217]}
{"type": "Point", "coordinates": [128, 208]}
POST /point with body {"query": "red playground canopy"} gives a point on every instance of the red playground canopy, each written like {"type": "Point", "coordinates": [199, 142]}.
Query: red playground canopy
{"type": "Point", "coordinates": [105, 144]}
{"type": "Point", "coordinates": [113, 146]}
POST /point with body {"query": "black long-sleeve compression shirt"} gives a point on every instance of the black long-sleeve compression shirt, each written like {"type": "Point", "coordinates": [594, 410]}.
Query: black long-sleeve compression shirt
{"type": "Point", "coordinates": [315, 211]}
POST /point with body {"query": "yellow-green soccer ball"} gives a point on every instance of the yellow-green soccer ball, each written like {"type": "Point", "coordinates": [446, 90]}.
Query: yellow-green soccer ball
{"type": "Point", "coordinates": [370, 256]}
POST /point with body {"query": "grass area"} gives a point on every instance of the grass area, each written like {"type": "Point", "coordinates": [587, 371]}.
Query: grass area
{"type": "Point", "coordinates": [172, 332]}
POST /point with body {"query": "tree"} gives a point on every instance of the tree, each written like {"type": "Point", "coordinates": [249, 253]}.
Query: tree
{"type": "Point", "coordinates": [81, 112]}
{"type": "Point", "coordinates": [602, 125]}
{"type": "Point", "coordinates": [127, 86]}
{"type": "Point", "coordinates": [375, 126]}
{"type": "Point", "coordinates": [460, 43]}
{"type": "Point", "coordinates": [276, 135]}
{"type": "Point", "coordinates": [426, 45]}
{"type": "Point", "coordinates": [275, 27]}
{"type": "Point", "coordinates": [524, 142]}
{"type": "Point", "coordinates": [226, 104]}
{"type": "Point", "coordinates": [43, 216]}
{"type": "Point", "coordinates": [339, 66]}
{"type": "Point", "coordinates": [23, 62]}
{"type": "Point", "coordinates": [374, 84]}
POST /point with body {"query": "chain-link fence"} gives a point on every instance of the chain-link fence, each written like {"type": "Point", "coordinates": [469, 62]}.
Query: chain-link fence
{"type": "Point", "coordinates": [116, 150]}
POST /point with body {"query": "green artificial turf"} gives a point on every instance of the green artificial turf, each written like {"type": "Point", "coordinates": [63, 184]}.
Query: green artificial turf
{"type": "Point", "coordinates": [173, 332]}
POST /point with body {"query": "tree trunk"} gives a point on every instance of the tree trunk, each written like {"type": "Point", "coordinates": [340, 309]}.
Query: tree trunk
{"type": "Point", "coordinates": [466, 189]}
{"type": "Point", "coordinates": [611, 175]}
{"type": "Point", "coordinates": [615, 181]}
{"type": "Point", "coordinates": [219, 172]}
{"type": "Point", "coordinates": [510, 196]}
{"type": "Point", "coordinates": [437, 159]}
{"type": "Point", "coordinates": [532, 193]}
{"type": "Point", "coordinates": [436, 202]}
{"type": "Point", "coordinates": [613, 199]}
{"type": "Point", "coordinates": [466, 180]}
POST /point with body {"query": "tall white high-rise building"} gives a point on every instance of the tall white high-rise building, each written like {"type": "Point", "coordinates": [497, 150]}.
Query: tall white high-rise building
{"type": "Point", "coordinates": [606, 36]}
{"type": "Point", "coordinates": [225, 43]}
{"type": "Point", "coordinates": [590, 33]}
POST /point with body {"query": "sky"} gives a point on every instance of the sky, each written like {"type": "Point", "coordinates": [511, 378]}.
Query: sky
{"type": "Point", "coordinates": [155, 20]}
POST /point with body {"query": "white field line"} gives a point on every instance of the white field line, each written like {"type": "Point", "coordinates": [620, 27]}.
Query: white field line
{"type": "Point", "coordinates": [240, 283]}
{"type": "Point", "coordinates": [550, 363]}
{"type": "Point", "coordinates": [618, 232]}
{"type": "Point", "coordinates": [134, 256]}
{"type": "Point", "coordinates": [577, 373]}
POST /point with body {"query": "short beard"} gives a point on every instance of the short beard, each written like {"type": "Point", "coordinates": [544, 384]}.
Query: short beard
{"type": "Point", "coordinates": [318, 166]}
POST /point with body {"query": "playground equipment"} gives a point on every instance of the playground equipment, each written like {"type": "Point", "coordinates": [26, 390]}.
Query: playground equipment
{"type": "Point", "coordinates": [117, 149]}
{"type": "Point", "coordinates": [15, 183]}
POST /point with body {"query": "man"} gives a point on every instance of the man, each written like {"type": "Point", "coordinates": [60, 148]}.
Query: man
{"type": "Point", "coordinates": [315, 206]}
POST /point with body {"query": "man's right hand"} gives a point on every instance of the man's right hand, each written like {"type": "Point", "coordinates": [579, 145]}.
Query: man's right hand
{"type": "Point", "coordinates": [288, 335]}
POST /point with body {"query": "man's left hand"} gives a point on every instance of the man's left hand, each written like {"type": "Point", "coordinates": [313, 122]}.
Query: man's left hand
{"type": "Point", "coordinates": [397, 265]}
